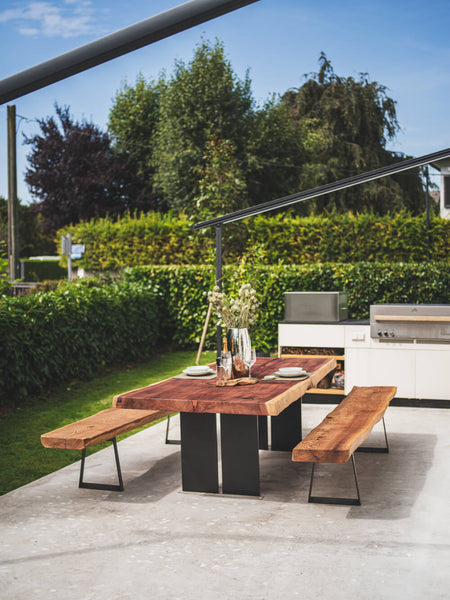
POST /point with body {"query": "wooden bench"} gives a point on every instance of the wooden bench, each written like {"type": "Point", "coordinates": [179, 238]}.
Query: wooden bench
{"type": "Point", "coordinates": [342, 432]}
{"type": "Point", "coordinates": [105, 425]}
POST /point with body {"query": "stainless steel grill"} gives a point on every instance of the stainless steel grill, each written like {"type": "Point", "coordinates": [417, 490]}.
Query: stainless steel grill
{"type": "Point", "coordinates": [400, 322]}
{"type": "Point", "coordinates": [315, 307]}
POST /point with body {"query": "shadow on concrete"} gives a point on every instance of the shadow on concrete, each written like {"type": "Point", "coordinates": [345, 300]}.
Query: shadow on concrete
{"type": "Point", "coordinates": [389, 483]}
{"type": "Point", "coordinates": [161, 479]}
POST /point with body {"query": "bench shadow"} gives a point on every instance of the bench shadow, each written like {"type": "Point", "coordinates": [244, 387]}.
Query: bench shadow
{"type": "Point", "coordinates": [389, 483]}
{"type": "Point", "coordinates": [161, 479]}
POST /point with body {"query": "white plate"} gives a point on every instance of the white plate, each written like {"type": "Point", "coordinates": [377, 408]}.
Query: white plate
{"type": "Point", "coordinates": [197, 371]}
{"type": "Point", "coordinates": [291, 371]}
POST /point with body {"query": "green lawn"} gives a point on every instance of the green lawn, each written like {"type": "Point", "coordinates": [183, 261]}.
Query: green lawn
{"type": "Point", "coordinates": [24, 459]}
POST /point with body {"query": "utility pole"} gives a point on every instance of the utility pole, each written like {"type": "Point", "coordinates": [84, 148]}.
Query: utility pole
{"type": "Point", "coordinates": [13, 220]}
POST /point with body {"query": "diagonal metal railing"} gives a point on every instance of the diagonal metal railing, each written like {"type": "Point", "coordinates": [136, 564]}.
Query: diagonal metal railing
{"type": "Point", "coordinates": [404, 165]}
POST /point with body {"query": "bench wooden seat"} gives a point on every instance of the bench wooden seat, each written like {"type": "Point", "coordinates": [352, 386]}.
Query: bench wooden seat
{"type": "Point", "coordinates": [342, 432]}
{"type": "Point", "coordinates": [105, 425]}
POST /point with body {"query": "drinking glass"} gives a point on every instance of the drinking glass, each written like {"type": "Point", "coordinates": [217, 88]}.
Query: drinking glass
{"type": "Point", "coordinates": [251, 359]}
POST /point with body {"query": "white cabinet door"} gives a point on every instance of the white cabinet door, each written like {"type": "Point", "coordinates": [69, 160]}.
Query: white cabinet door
{"type": "Point", "coordinates": [433, 373]}
{"type": "Point", "coordinates": [381, 367]}
{"type": "Point", "coordinates": [393, 367]}
{"type": "Point", "coordinates": [356, 367]}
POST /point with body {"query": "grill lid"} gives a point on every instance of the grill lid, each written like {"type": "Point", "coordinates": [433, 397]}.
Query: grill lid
{"type": "Point", "coordinates": [427, 322]}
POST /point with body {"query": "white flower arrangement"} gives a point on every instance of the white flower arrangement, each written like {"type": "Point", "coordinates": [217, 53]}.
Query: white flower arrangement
{"type": "Point", "coordinates": [235, 311]}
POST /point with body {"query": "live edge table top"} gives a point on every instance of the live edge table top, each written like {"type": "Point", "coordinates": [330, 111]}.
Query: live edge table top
{"type": "Point", "coordinates": [203, 396]}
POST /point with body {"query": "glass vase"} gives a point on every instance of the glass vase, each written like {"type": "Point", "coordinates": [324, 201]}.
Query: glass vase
{"type": "Point", "coordinates": [239, 345]}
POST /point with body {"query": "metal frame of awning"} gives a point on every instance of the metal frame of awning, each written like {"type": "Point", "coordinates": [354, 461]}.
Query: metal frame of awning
{"type": "Point", "coordinates": [123, 41]}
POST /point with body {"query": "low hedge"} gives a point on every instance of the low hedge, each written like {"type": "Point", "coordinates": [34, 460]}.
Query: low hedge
{"type": "Point", "coordinates": [185, 306]}
{"type": "Point", "coordinates": [42, 270]}
{"type": "Point", "coordinates": [57, 336]}
{"type": "Point", "coordinates": [68, 333]}
{"type": "Point", "coordinates": [166, 239]}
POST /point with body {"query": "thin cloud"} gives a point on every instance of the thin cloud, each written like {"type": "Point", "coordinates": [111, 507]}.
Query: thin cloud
{"type": "Point", "coordinates": [45, 18]}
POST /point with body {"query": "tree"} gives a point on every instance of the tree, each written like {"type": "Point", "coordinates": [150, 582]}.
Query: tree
{"type": "Point", "coordinates": [277, 149]}
{"type": "Point", "coordinates": [165, 127]}
{"type": "Point", "coordinates": [132, 123]}
{"type": "Point", "coordinates": [76, 175]}
{"type": "Point", "coordinates": [32, 240]}
{"type": "Point", "coordinates": [222, 186]}
{"type": "Point", "coordinates": [328, 129]}
{"type": "Point", "coordinates": [200, 100]}
{"type": "Point", "coordinates": [356, 118]}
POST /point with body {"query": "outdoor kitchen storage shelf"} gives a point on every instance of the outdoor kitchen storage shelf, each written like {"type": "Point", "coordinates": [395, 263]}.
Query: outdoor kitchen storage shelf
{"type": "Point", "coordinates": [315, 307]}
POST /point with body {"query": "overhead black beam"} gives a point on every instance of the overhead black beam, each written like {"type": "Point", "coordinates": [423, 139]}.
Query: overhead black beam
{"type": "Point", "coordinates": [116, 44]}
{"type": "Point", "coordinates": [404, 165]}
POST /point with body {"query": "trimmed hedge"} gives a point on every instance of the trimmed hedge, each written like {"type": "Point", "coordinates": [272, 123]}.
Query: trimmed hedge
{"type": "Point", "coordinates": [56, 336]}
{"type": "Point", "coordinates": [151, 238]}
{"type": "Point", "coordinates": [185, 308]}
{"type": "Point", "coordinates": [42, 270]}
{"type": "Point", "coordinates": [165, 239]}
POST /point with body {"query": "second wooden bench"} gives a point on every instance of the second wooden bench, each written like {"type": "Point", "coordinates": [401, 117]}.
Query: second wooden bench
{"type": "Point", "coordinates": [342, 432]}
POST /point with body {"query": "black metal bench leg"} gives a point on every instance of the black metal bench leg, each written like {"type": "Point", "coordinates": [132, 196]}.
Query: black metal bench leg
{"type": "Point", "coordinates": [382, 449]}
{"type": "Point", "coordinates": [330, 500]}
{"type": "Point", "coordinates": [102, 486]}
{"type": "Point", "coordinates": [167, 433]}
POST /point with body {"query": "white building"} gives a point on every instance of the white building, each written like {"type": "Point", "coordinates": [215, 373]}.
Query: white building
{"type": "Point", "coordinates": [444, 167]}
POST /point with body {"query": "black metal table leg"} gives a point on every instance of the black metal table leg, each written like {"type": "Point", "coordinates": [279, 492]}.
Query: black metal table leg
{"type": "Point", "coordinates": [199, 461]}
{"type": "Point", "coordinates": [287, 427]}
{"type": "Point", "coordinates": [263, 433]}
{"type": "Point", "coordinates": [240, 454]}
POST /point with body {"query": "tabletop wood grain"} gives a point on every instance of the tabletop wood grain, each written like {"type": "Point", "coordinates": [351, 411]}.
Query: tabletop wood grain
{"type": "Point", "coordinates": [203, 396]}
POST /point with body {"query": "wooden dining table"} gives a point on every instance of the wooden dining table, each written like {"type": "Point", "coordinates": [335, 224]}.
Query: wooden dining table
{"type": "Point", "coordinates": [233, 442]}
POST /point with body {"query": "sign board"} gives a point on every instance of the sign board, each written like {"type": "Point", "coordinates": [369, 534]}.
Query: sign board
{"type": "Point", "coordinates": [77, 250]}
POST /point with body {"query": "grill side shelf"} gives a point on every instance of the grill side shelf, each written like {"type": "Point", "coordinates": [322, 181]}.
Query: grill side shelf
{"type": "Point", "coordinates": [416, 319]}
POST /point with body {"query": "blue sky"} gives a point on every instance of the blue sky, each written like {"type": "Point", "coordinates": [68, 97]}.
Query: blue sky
{"type": "Point", "coordinates": [403, 45]}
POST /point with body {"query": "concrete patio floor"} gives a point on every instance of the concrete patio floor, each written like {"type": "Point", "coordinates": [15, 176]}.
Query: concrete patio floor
{"type": "Point", "coordinates": [153, 541]}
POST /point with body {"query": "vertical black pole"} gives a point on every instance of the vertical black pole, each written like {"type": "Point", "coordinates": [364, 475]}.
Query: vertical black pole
{"type": "Point", "coordinates": [427, 215]}
{"type": "Point", "coordinates": [13, 221]}
{"type": "Point", "coordinates": [219, 279]}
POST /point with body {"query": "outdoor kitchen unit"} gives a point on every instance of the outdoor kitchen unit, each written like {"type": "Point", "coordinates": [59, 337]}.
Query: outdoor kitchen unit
{"type": "Point", "coordinates": [406, 345]}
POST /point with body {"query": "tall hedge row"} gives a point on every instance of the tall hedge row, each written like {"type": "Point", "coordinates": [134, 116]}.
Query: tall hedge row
{"type": "Point", "coordinates": [183, 288]}
{"type": "Point", "coordinates": [165, 239]}
{"type": "Point", "coordinates": [55, 336]}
